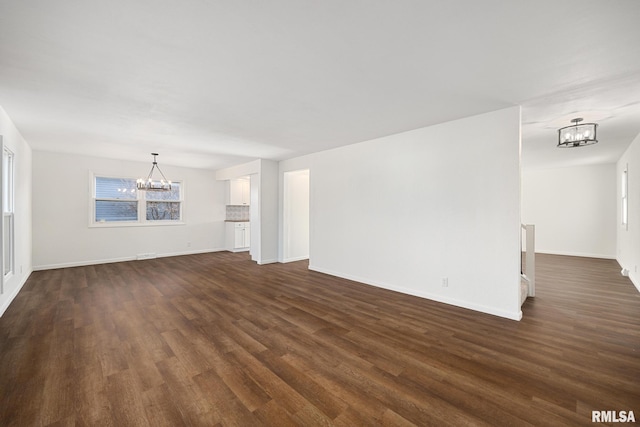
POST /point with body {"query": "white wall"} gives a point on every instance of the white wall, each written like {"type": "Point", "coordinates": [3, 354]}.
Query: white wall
{"type": "Point", "coordinates": [295, 216]}
{"type": "Point", "coordinates": [268, 212]}
{"type": "Point", "coordinates": [238, 171]}
{"type": "Point", "coordinates": [254, 216]}
{"type": "Point", "coordinates": [61, 206]}
{"type": "Point", "coordinates": [573, 209]}
{"type": "Point", "coordinates": [628, 241]}
{"type": "Point", "coordinates": [22, 227]}
{"type": "Point", "coordinates": [405, 211]}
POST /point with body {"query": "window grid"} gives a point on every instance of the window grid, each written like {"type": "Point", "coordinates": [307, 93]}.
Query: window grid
{"type": "Point", "coordinates": [116, 201]}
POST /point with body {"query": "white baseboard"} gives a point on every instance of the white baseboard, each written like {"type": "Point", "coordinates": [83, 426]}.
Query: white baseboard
{"type": "Point", "coordinates": [199, 251]}
{"type": "Point", "coordinates": [300, 258]}
{"type": "Point", "coordinates": [578, 254]}
{"type": "Point", "coordinates": [267, 261]}
{"type": "Point", "coordinates": [516, 315]}
{"type": "Point", "coordinates": [121, 259]}
{"type": "Point", "coordinates": [14, 292]}
{"type": "Point", "coordinates": [633, 276]}
{"type": "Point", "coordinates": [237, 250]}
{"type": "Point", "coordinates": [82, 263]}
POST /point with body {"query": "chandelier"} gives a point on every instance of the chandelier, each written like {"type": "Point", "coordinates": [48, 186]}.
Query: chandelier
{"type": "Point", "coordinates": [149, 184]}
{"type": "Point", "coordinates": [577, 135]}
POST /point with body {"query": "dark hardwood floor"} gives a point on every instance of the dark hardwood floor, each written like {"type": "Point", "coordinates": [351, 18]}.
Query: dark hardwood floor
{"type": "Point", "coordinates": [214, 339]}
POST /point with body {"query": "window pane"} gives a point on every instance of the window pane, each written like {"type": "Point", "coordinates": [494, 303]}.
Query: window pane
{"type": "Point", "coordinates": [173, 194]}
{"type": "Point", "coordinates": [115, 188]}
{"type": "Point", "coordinates": [8, 243]}
{"type": "Point", "coordinates": [7, 181]}
{"type": "Point", "coordinates": [163, 211]}
{"type": "Point", "coordinates": [108, 210]}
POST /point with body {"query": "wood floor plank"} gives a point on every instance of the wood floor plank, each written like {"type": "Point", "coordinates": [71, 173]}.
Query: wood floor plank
{"type": "Point", "coordinates": [125, 400]}
{"type": "Point", "coordinates": [214, 339]}
{"type": "Point", "coordinates": [271, 414]}
{"type": "Point", "coordinates": [160, 407]}
{"type": "Point", "coordinates": [193, 404]}
{"type": "Point", "coordinates": [222, 400]}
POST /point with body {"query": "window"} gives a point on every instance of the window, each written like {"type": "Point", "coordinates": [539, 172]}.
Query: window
{"type": "Point", "coordinates": [625, 194]}
{"type": "Point", "coordinates": [117, 201]}
{"type": "Point", "coordinates": [7, 213]}
{"type": "Point", "coordinates": [164, 205]}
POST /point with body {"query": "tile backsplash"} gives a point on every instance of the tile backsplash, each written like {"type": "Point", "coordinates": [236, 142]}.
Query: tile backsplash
{"type": "Point", "coordinates": [237, 213]}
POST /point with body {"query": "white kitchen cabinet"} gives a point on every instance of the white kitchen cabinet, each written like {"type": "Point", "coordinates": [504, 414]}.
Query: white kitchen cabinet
{"type": "Point", "coordinates": [238, 236]}
{"type": "Point", "coordinates": [242, 235]}
{"type": "Point", "coordinates": [239, 192]}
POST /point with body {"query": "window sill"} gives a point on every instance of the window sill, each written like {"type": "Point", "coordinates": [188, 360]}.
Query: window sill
{"type": "Point", "coordinates": [116, 224]}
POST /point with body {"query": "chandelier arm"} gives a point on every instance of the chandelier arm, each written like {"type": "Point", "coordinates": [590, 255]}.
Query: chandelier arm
{"type": "Point", "coordinates": [149, 177]}
{"type": "Point", "coordinates": [163, 177]}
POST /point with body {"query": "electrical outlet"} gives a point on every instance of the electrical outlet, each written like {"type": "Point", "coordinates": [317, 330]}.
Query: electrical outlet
{"type": "Point", "coordinates": [445, 282]}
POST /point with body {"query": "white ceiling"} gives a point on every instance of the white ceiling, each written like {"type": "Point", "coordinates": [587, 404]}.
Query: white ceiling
{"type": "Point", "coordinates": [215, 83]}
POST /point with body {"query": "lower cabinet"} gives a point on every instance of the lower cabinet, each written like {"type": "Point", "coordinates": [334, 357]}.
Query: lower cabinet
{"type": "Point", "coordinates": [238, 236]}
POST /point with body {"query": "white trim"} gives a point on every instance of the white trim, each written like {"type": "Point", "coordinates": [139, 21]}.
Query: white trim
{"type": "Point", "coordinates": [438, 298]}
{"type": "Point", "coordinates": [632, 275]}
{"type": "Point", "coordinates": [194, 252]}
{"type": "Point", "coordinates": [112, 224]}
{"type": "Point", "coordinates": [236, 250]}
{"type": "Point", "coordinates": [267, 261]}
{"type": "Point", "coordinates": [624, 198]}
{"type": "Point", "coordinates": [122, 259]}
{"type": "Point", "coordinates": [578, 254]}
{"type": "Point", "coordinates": [300, 258]}
{"type": "Point", "coordinates": [11, 296]}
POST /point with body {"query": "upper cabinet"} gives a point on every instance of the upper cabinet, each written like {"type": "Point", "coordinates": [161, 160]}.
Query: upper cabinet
{"type": "Point", "coordinates": [239, 192]}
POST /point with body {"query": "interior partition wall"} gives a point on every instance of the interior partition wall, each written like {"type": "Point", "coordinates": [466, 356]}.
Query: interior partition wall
{"type": "Point", "coordinates": [433, 212]}
{"type": "Point", "coordinates": [295, 233]}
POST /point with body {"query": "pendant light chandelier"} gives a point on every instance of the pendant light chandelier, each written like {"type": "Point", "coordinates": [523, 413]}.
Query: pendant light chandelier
{"type": "Point", "coordinates": [149, 184]}
{"type": "Point", "coordinates": [577, 135]}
